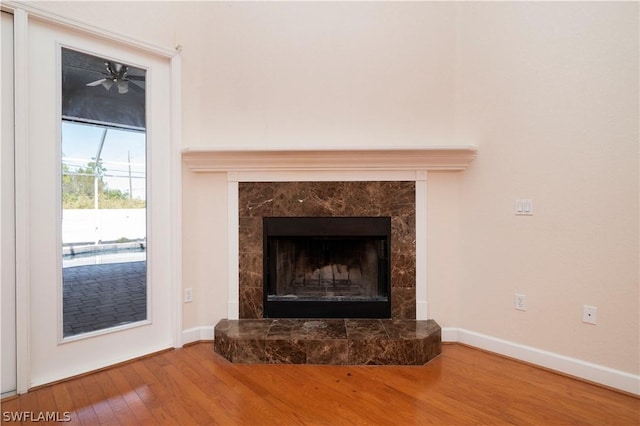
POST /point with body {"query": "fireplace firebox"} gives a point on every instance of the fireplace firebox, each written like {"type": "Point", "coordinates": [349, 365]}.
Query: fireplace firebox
{"type": "Point", "coordinates": [327, 267]}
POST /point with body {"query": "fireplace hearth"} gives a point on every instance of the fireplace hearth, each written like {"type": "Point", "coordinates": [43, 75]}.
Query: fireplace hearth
{"type": "Point", "coordinates": [327, 267]}
{"type": "Point", "coordinates": [328, 341]}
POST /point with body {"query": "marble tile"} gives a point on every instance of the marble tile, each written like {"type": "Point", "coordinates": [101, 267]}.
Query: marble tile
{"type": "Point", "coordinates": [329, 342]}
{"type": "Point", "coordinates": [289, 351]}
{"type": "Point", "coordinates": [306, 329]}
{"type": "Point", "coordinates": [327, 352]}
{"type": "Point", "coordinates": [382, 352]}
{"type": "Point", "coordinates": [224, 346]}
{"type": "Point", "coordinates": [296, 199]}
{"type": "Point", "coordinates": [246, 329]}
{"type": "Point", "coordinates": [336, 198]}
{"type": "Point", "coordinates": [284, 329]}
{"type": "Point", "coordinates": [365, 329]}
{"type": "Point", "coordinates": [409, 329]}
{"type": "Point", "coordinates": [403, 303]}
{"type": "Point", "coordinates": [324, 329]}
{"type": "Point", "coordinates": [429, 347]}
{"type": "Point", "coordinates": [222, 327]}
{"type": "Point", "coordinates": [427, 328]}
{"type": "Point", "coordinates": [251, 270]}
{"type": "Point", "coordinates": [403, 270]}
{"type": "Point", "coordinates": [250, 302]}
{"type": "Point", "coordinates": [403, 230]}
{"type": "Point", "coordinates": [250, 235]}
{"type": "Point", "coordinates": [397, 197]}
{"type": "Point", "coordinates": [255, 199]}
{"type": "Point", "coordinates": [249, 351]}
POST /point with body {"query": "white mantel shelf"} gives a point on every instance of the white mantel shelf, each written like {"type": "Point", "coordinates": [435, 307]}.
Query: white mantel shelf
{"type": "Point", "coordinates": [455, 157]}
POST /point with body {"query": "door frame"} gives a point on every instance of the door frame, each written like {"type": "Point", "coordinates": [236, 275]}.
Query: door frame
{"type": "Point", "coordinates": [22, 15]}
{"type": "Point", "coordinates": [7, 213]}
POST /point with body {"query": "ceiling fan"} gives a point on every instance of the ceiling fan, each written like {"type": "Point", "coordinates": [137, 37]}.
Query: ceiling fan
{"type": "Point", "coordinates": [116, 74]}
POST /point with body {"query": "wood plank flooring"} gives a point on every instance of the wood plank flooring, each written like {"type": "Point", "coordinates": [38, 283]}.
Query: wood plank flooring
{"type": "Point", "coordinates": [195, 386]}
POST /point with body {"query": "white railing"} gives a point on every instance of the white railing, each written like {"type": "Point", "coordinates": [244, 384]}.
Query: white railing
{"type": "Point", "coordinates": [89, 226]}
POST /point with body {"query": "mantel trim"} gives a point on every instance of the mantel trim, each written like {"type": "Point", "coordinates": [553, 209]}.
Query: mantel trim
{"type": "Point", "coordinates": [456, 157]}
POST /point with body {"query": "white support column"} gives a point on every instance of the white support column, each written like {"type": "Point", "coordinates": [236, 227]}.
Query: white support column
{"type": "Point", "coordinates": [421, 245]}
{"type": "Point", "coordinates": [233, 304]}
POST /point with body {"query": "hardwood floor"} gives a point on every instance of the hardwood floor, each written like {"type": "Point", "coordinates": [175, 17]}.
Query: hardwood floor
{"type": "Point", "coordinates": [196, 386]}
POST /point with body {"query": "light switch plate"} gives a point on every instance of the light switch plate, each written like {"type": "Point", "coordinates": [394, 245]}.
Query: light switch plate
{"type": "Point", "coordinates": [524, 207]}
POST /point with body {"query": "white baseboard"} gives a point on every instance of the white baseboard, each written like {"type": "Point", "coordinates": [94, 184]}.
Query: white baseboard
{"type": "Point", "coordinates": [574, 367]}
{"type": "Point", "coordinates": [197, 334]}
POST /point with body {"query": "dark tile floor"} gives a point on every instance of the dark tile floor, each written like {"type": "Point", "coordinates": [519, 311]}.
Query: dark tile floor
{"type": "Point", "coordinates": [328, 341]}
{"type": "Point", "coordinates": [102, 296]}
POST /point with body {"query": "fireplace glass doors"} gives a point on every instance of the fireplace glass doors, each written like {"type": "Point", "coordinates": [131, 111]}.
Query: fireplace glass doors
{"type": "Point", "coordinates": [327, 267]}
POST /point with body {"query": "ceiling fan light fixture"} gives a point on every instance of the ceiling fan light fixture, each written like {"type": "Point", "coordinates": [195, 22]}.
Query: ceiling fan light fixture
{"type": "Point", "coordinates": [123, 87]}
{"type": "Point", "coordinates": [107, 84]}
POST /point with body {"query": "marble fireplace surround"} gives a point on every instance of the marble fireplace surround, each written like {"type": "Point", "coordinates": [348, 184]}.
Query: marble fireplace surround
{"type": "Point", "coordinates": [367, 171]}
{"type": "Point", "coordinates": [395, 199]}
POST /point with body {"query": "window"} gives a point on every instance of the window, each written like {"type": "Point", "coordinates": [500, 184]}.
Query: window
{"type": "Point", "coordinates": [103, 173]}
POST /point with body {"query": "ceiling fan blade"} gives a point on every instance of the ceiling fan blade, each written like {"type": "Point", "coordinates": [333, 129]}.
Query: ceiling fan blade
{"type": "Point", "coordinates": [137, 84]}
{"type": "Point", "coordinates": [97, 82]}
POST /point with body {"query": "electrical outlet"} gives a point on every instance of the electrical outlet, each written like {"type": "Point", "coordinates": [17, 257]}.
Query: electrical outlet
{"type": "Point", "coordinates": [188, 295]}
{"type": "Point", "coordinates": [520, 302]}
{"type": "Point", "coordinates": [589, 314]}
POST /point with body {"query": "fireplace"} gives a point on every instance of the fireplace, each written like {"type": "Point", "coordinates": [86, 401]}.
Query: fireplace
{"type": "Point", "coordinates": [327, 183]}
{"type": "Point", "coordinates": [327, 267]}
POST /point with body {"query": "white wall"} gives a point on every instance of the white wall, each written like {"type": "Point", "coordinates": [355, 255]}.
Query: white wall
{"type": "Point", "coordinates": [300, 73]}
{"type": "Point", "coordinates": [204, 248]}
{"type": "Point", "coordinates": [323, 74]}
{"type": "Point", "coordinates": [549, 92]}
{"type": "Point", "coordinates": [444, 264]}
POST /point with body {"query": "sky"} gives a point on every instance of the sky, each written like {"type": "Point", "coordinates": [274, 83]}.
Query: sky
{"type": "Point", "coordinates": [80, 144]}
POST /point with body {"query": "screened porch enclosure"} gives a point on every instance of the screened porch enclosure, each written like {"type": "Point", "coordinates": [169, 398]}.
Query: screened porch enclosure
{"type": "Point", "coordinates": [104, 194]}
